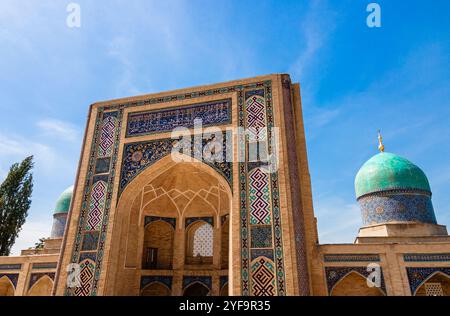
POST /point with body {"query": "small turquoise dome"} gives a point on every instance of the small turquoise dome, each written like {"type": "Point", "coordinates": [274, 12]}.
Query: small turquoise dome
{"type": "Point", "coordinates": [63, 202]}
{"type": "Point", "coordinates": [386, 171]}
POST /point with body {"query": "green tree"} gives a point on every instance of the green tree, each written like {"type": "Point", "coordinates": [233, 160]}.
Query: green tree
{"type": "Point", "coordinates": [15, 200]}
{"type": "Point", "coordinates": [39, 244]}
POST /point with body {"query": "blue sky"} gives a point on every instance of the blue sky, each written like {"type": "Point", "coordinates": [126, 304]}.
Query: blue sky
{"type": "Point", "coordinates": [354, 80]}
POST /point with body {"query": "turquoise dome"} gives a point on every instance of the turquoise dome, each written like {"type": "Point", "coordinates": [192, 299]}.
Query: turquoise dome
{"type": "Point", "coordinates": [63, 202]}
{"type": "Point", "coordinates": [386, 171]}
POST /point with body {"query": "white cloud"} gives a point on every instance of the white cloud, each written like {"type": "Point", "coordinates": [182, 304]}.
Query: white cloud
{"type": "Point", "coordinates": [15, 148]}
{"type": "Point", "coordinates": [338, 221]}
{"type": "Point", "coordinates": [59, 129]}
{"type": "Point", "coordinates": [30, 234]}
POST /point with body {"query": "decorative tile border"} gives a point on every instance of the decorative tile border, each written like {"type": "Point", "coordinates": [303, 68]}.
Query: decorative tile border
{"type": "Point", "coordinates": [417, 276]}
{"type": "Point", "coordinates": [263, 275]}
{"type": "Point", "coordinates": [11, 266]}
{"type": "Point", "coordinates": [351, 258]}
{"type": "Point", "coordinates": [96, 203]}
{"type": "Point", "coordinates": [165, 120]}
{"type": "Point", "coordinates": [426, 257]}
{"type": "Point", "coordinates": [44, 265]}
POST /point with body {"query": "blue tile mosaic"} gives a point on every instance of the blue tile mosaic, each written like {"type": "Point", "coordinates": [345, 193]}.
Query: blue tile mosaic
{"type": "Point", "coordinates": [159, 121]}
{"type": "Point", "coordinates": [392, 207]}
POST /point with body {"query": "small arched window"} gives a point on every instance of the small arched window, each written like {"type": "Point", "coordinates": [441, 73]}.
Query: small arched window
{"type": "Point", "coordinates": [203, 241]}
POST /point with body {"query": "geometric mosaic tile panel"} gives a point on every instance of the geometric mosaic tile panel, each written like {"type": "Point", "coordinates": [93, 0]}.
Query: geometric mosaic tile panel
{"type": "Point", "coordinates": [260, 213]}
{"type": "Point", "coordinates": [261, 236]}
{"type": "Point", "coordinates": [102, 165]}
{"type": "Point", "coordinates": [96, 206]}
{"type": "Point", "coordinates": [259, 197]}
{"type": "Point", "coordinates": [263, 277]}
{"type": "Point", "coordinates": [106, 143]}
{"type": "Point", "coordinates": [86, 278]}
{"type": "Point", "coordinates": [90, 241]}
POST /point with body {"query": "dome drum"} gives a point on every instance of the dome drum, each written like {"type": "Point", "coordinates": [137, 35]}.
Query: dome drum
{"type": "Point", "coordinates": [59, 224]}
{"type": "Point", "coordinates": [396, 207]}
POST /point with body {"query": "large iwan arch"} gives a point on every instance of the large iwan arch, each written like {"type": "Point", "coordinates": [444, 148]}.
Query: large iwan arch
{"type": "Point", "coordinates": [158, 213]}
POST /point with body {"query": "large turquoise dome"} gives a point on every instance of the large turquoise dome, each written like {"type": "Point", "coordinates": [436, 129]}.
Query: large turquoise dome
{"type": "Point", "coordinates": [386, 171]}
{"type": "Point", "coordinates": [63, 202]}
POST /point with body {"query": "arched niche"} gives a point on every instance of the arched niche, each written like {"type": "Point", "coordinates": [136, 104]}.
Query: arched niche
{"type": "Point", "coordinates": [196, 289]}
{"type": "Point", "coordinates": [354, 284]}
{"type": "Point", "coordinates": [42, 287]}
{"type": "Point", "coordinates": [158, 246]}
{"type": "Point", "coordinates": [437, 284]}
{"type": "Point", "coordinates": [6, 287]}
{"type": "Point", "coordinates": [155, 289]}
{"type": "Point", "coordinates": [199, 243]}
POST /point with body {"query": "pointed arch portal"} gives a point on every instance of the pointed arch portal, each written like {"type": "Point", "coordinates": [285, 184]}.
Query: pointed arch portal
{"type": "Point", "coordinates": [171, 221]}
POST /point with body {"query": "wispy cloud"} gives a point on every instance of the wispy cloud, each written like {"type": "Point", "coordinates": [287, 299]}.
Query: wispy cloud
{"type": "Point", "coordinates": [338, 220]}
{"type": "Point", "coordinates": [59, 129]}
{"type": "Point", "coordinates": [317, 26]}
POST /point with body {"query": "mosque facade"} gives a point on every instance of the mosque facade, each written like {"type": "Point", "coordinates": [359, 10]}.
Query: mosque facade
{"type": "Point", "coordinates": [206, 191]}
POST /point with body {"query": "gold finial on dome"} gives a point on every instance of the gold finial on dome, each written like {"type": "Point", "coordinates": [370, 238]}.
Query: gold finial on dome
{"type": "Point", "coordinates": [380, 142]}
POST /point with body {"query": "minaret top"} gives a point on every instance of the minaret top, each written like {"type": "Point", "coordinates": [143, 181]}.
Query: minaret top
{"type": "Point", "coordinates": [380, 142]}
